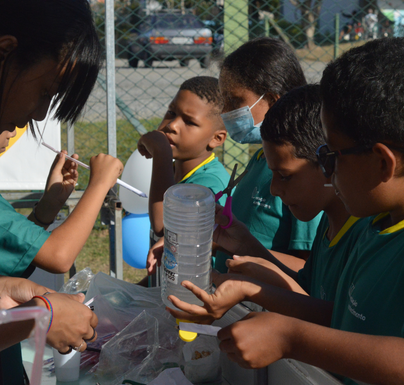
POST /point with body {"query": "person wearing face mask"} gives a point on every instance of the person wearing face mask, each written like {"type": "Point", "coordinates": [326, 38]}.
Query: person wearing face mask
{"type": "Point", "coordinates": [252, 79]}
{"type": "Point", "coordinates": [240, 124]}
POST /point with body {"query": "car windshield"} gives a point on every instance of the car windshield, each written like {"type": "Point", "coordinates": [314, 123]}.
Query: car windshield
{"type": "Point", "coordinates": [175, 22]}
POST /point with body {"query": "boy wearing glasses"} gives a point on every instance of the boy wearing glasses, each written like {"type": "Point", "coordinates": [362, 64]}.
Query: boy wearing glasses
{"type": "Point", "coordinates": [363, 120]}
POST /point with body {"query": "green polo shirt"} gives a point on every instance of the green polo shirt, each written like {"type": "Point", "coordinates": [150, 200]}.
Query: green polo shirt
{"type": "Point", "coordinates": [211, 174]}
{"type": "Point", "coordinates": [20, 241]}
{"type": "Point", "coordinates": [320, 274]}
{"type": "Point", "coordinates": [267, 218]}
{"type": "Point", "coordinates": [369, 297]}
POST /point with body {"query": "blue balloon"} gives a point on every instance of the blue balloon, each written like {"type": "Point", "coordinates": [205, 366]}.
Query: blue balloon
{"type": "Point", "coordinates": [135, 239]}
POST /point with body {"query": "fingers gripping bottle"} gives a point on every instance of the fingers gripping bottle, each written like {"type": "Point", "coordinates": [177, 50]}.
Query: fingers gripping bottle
{"type": "Point", "coordinates": [189, 215]}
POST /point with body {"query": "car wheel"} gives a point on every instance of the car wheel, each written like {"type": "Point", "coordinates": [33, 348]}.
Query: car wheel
{"type": "Point", "coordinates": [184, 62]}
{"type": "Point", "coordinates": [134, 62]}
{"type": "Point", "coordinates": [204, 62]}
{"type": "Point", "coordinates": [148, 63]}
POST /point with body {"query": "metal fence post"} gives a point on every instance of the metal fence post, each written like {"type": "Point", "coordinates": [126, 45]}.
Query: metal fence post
{"type": "Point", "coordinates": [73, 269]}
{"type": "Point", "coordinates": [118, 239]}
{"type": "Point", "coordinates": [110, 50]}
{"type": "Point", "coordinates": [70, 150]}
{"type": "Point", "coordinates": [235, 34]}
{"type": "Point", "coordinates": [336, 37]}
{"type": "Point", "coordinates": [235, 24]}
{"type": "Point", "coordinates": [116, 259]}
{"type": "Point", "coordinates": [70, 138]}
{"type": "Point", "coordinates": [115, 238]}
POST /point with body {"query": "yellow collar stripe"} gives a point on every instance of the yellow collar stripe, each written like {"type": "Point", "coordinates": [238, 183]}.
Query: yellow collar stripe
{"type": "Point", "coordinates": [392, 229]}
{"type": "Point", "coordinates": [13, 140]}
{"type": "Point", "coordinates": [379, 217]}
{"type": "Point", "coordinates": [206, 161]}
{"type": "Point", "coordinates": [260, 153]}
{"type": "Point", "coordinates": [348, 224]}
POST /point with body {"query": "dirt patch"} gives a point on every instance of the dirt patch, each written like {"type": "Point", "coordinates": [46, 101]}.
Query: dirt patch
{"type": "Point", "coordinates": [325, 53]}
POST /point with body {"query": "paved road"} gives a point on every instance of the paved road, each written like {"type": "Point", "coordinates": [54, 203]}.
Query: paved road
{"type": "Point", "coordinates": [148, 91]}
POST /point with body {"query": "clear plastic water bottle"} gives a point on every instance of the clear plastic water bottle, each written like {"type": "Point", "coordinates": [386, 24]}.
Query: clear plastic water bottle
{"type": "Point", "coordinates": [189, 216]}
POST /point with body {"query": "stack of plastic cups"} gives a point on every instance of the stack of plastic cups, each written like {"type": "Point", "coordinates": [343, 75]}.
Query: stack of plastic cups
{"type": "Point", "coordinates": [189, 215]}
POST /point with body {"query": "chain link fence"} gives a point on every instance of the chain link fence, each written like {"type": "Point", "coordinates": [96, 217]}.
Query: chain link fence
{"type": "Point", "coordinates": [194, 36]}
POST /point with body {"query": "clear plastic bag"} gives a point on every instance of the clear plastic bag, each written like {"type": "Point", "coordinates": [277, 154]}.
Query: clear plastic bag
{"type": "Point", "coordinates": [171, 377]}
{"type": "Point", "coordinates": [37, 336]}
{"type": "Point", "coordinates": [137, 337]}
{"type": "Point", "coordinates": [202, 360]}
{"type": "Point", "coordinates": [79, 283]}
{"type": "Point", "coordinates": [141, 351]}
{"type": "Point", "coordinates": [110, 322]}
{"type": "Point", "coordinates": [124, 297]}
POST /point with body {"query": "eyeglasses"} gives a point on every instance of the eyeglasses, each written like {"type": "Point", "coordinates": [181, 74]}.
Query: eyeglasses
{"type": "Point", "coordinates": [327, 158]}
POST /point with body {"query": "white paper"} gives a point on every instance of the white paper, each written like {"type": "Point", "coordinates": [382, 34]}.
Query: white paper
{"type": "Point", "coordinates": [25, 164]}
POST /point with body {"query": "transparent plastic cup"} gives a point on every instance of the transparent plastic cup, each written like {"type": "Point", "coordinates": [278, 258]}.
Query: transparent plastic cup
{"type": "Point", "coordinates": [67, 366]}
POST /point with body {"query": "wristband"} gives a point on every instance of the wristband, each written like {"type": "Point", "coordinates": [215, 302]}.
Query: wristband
{"type": "Point", "coordinates": [36, 218]}
{"type": "Point", "coordinates": [48, 306]}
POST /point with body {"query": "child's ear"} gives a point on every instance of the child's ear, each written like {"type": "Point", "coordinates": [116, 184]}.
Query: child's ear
{"type": "Point", "coordinates": [271, 99]}
{"type": "Point", "coordinates": [218, 138]}
{"type": "Point", "coordinates": [7, 44]}
{"type": "Point", "coordinates": [387, 161]}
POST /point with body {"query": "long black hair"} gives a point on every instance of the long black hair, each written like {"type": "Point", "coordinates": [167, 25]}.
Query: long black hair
{"type": "Point", "coordinates": [264, 65]}
{"type": "Point", "coordinates": [62, 30]}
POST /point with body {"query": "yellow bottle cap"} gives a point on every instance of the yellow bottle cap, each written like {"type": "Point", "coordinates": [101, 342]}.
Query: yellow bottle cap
{"type": "Point", "coordinates": [186, 336]}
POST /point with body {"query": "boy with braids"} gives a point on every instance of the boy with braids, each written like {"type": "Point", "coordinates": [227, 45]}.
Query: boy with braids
{"type": "Point", "coordinates": [190, 130]}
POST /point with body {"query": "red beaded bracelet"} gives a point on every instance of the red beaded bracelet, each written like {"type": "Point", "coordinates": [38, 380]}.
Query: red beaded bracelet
{"type": "Point", "coordinates": [48, 306]}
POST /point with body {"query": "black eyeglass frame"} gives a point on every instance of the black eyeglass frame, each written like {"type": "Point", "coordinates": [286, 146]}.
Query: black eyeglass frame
{"type": "Point", "coordinates": [331, 156]}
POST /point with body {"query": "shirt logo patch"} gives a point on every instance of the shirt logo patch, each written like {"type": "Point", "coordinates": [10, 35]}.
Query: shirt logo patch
{"type": "Point", "coordinates": [257, 200]}
{"type": "Point", "coordinates": [353, 304]}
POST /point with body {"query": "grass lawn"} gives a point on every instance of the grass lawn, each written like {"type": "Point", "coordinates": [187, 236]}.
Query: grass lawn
{"type": "Point", "coordinates": [95, 255]}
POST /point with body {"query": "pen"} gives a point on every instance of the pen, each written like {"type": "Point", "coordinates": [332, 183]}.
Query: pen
{"type": "Point", "coordinates": [120, 182]}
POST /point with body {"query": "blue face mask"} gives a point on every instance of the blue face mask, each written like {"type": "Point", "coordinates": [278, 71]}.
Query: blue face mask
{"type": "Point", "coordinates": [240, 125]}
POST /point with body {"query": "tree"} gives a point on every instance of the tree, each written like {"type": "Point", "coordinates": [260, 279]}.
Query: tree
{"type": "Point", "coordinates": [310, 12]}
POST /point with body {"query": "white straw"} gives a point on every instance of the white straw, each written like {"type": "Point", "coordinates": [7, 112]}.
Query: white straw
{"type": "Point", "coordinates": [120, 182]}
{"type": "Point", "coordinates": [328, 185]}
{"type": "Point", "coordinates": [89, 302]}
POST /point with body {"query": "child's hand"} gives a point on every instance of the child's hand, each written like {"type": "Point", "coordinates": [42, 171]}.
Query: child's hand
{"type": "Point", "coordinates": [61, 180]}
{"type": "Point", "coordinates": [73, 323]}
{"type": "Point", "coordinates": [262, 270]}
{"type": "Point", "coordinates": [154, 256]}
{"type": "Point", "coordinates": [105, 169]}
{"type": "Point", "coordinates": [16, 291]}
{"type": "Point", "coordinates": [229, 292]}
{"type": "Point", "coordinates": [258, 340]}
{"type": "Point", "coordinates": [152, 142]}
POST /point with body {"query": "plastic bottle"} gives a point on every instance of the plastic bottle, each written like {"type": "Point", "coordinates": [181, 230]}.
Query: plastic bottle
{"type": "Point", "coordinates": [189, 215]}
